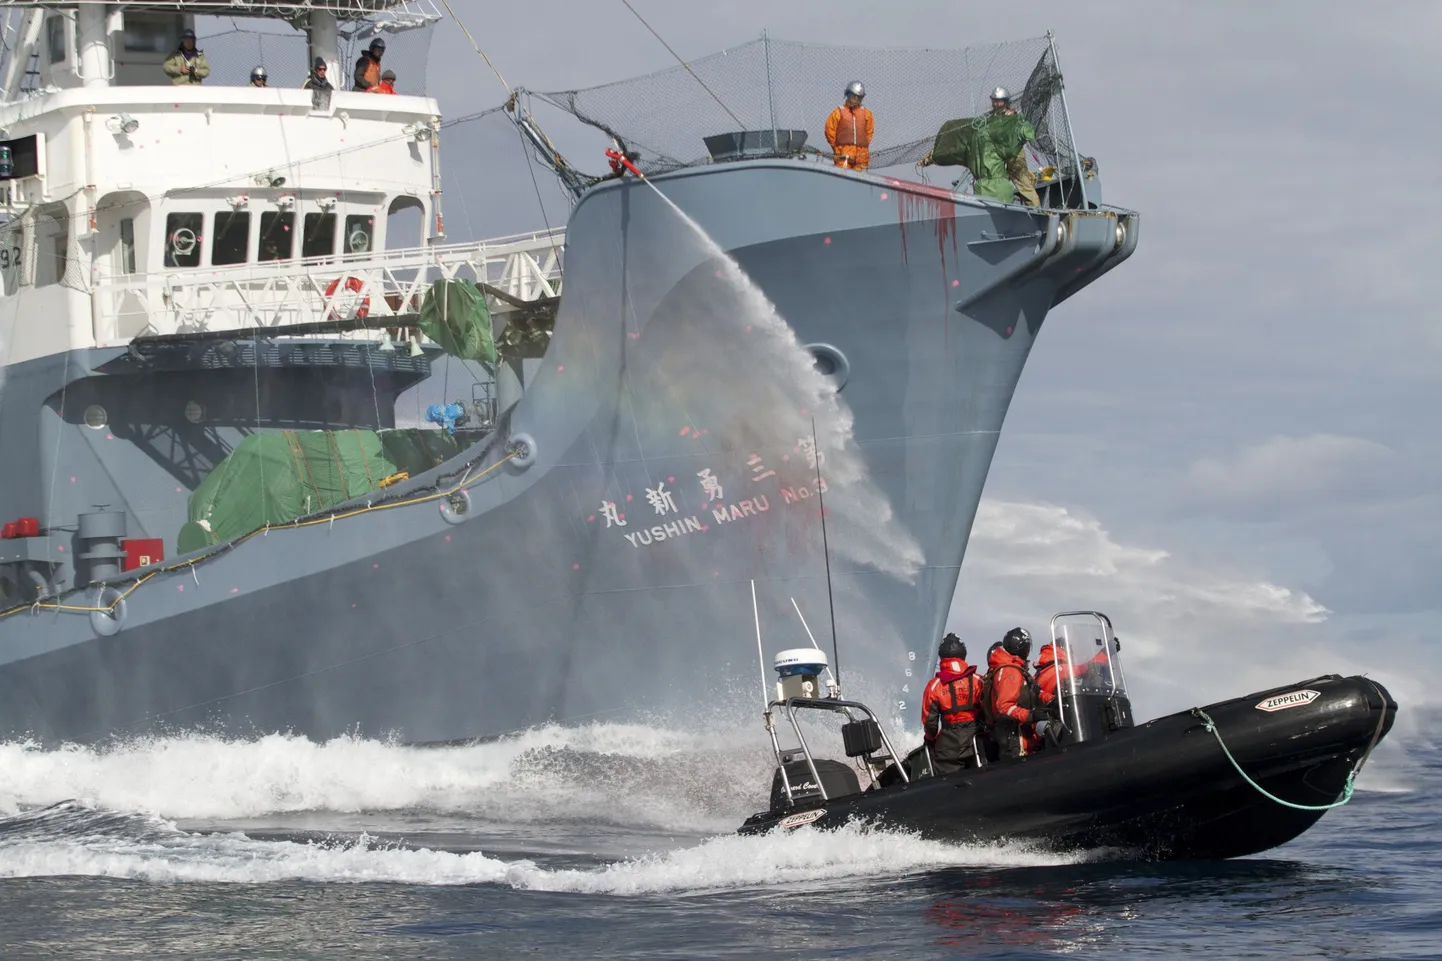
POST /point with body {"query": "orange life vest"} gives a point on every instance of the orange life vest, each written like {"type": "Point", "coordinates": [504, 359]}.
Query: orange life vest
{"type": "Point", "coordinates": [851, 127]}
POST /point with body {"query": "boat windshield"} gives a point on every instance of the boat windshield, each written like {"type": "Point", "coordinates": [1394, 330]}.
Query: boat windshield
{"type": "Point", "coordinates": [1091, 648]}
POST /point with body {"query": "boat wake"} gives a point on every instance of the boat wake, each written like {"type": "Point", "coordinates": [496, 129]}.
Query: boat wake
{"type": "Point", "coordinates": [74, 839]}
{"type": "Point", "coordinates": [199, 809]}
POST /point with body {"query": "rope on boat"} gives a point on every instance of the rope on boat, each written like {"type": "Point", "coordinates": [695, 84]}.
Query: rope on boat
{"type": "Point", "coordinates": [1347, 788]}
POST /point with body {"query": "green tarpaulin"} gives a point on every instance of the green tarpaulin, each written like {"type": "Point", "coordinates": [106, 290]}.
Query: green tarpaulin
{"type": "Point", "coordinates": [983, 145]}
{"type": "Point", "coordinates": [455, 316]}
{"type": "Point", "coordinates": [275, 477]}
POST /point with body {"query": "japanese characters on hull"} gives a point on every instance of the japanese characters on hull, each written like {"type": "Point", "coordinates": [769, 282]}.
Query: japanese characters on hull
{"type": "Point", "coordinates": [708, 503]}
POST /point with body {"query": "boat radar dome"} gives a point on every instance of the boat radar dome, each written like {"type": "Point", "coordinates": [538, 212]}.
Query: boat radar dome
{"type": "Point", "coordinates": [799, 669]}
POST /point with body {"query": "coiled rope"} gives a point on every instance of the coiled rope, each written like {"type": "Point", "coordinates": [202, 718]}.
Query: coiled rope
{"type": "Point", "coordinates": [1347, 788]}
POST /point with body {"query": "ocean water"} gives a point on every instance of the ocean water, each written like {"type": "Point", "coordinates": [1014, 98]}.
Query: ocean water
{"type": "Point", "coordinates": [614, 841]}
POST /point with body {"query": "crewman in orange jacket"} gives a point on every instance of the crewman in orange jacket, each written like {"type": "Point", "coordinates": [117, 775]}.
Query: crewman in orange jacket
{"type": "Point", "coordinates": [849, 130]}
{"type": "Point", "coordinates": [1053, 665]}
{"type": "Point", "coordinates": [950, 707]}
{"type": "Point", "coordinates": [1014, 703]}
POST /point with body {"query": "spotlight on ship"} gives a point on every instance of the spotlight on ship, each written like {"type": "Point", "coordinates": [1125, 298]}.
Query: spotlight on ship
{"type": "Point", "coordinates": [124, 123]}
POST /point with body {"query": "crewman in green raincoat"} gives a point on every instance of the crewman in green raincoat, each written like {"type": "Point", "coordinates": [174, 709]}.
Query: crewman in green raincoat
{"type": "Point", "coordinates": [991, 147]}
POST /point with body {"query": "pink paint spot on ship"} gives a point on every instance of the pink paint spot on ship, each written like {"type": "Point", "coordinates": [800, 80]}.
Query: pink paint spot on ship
{"type": "Point", "coordinates": [956, 283]}
{"type": "Point", "coordinates": [685, 431]}
{"type": "Point", "coordinates": [883, 195]}
{"type": "Point", "coordinates": [236, 590]}
{"type": "Point", "coordinates": [591, 518]}
{"type": "Point", "coordinates": [575, 567]}
{"type": "Point", "coordinates": [827, 241]}
{"type": "Point", "coordinates": [670, 480]}
{"type": "Point", "coordinates": [448, 538]}
{"type": "Point", "coordinates": [376, 567]}
{"type": "Point", "coordinates": [560, 367]}
{"type": "Point", "coordinates": [180, 587]}
{"type": "Point", "coordinates": [629, 498]}
{"type": "Point", "coordinates": [1008, 331]}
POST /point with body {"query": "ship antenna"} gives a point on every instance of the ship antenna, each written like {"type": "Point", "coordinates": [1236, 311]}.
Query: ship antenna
{"type": "Point", "coordinates": [826, 553]}
{"type": "Point", "coordinates": [760, 654]}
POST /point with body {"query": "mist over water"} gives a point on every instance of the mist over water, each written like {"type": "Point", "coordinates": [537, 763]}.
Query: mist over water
{"type": "Point", "coordinates": [785, 399]}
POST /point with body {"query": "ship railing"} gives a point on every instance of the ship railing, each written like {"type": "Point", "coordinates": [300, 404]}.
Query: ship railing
{"type": "Point", "coordinates": [278, 294]}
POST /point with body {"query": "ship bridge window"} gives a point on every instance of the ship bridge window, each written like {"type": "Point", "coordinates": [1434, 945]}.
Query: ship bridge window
{"type": "Point", "coordinates": [359, 233]}
{"type": "Point", "coordinates": [319, 238]}
{"type": "Point", "coordinates": [55, 37]}
{"type": "Point", "coordinates": [182, 239]}
{"type": "Point", "coordinates": [148, 33]}
{"type": "Point", "coordinates": [232, 238]}
{"type": "Point", "coordinates": [277, 235]}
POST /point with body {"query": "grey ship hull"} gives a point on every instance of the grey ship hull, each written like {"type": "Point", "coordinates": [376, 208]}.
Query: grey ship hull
{"type": "Point", "coordinates": [532, 606]}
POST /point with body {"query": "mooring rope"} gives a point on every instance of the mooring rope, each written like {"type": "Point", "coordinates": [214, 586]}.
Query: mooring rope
{"type": "Point", "coordinates": [1347, 788]}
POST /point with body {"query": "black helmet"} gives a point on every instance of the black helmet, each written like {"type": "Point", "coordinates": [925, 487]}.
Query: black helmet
{"type": "Point", "coordinates": [951, 646]}
{"type": "Point", "coordinates": [1017, 643]}
{"type": "Point", "coordinates": [377, 44]}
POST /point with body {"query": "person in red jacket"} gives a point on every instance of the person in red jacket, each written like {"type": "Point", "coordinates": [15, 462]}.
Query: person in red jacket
{"type": "Point", "coordinates": [1014, 704]}
{"type": "Point", "coordinates": [950, 708]}
{"type": "Point", "coordinates": [1053, 666]}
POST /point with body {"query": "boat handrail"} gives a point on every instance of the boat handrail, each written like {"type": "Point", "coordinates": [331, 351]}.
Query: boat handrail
{"type": "Point", "coordinates": [834, 705]}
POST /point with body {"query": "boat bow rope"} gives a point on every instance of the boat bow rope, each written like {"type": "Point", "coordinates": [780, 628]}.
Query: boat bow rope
{"type": "Point", "coordinates": [1347, 789]}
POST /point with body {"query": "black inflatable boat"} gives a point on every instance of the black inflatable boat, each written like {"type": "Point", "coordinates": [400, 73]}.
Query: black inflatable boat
{"type": "Point", "coordinates": [1226, 780]}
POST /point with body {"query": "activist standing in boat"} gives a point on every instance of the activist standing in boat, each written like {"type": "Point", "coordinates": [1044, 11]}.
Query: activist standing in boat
{"type": "Point", "coordinates": [949, 708]}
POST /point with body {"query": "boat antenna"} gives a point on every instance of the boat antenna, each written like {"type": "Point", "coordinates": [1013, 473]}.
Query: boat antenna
{"type": "Point", "coordinates": [833, 685]}
{"type": "Point", "coordinates": [826, 553]}
{"type": "Point", "coordinates": [760, 654]}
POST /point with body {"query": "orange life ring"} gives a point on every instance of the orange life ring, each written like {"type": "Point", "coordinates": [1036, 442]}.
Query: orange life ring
{"type": "Point", "coordinates": [355, 285]}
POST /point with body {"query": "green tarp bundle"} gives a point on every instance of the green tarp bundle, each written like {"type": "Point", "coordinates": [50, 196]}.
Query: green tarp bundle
{"type": "Point", "coordinates": [278, 476]}
{"type": "Point", "coordinates": [455, 316]}
{"type": "Point", "coordinates": [983, 145]}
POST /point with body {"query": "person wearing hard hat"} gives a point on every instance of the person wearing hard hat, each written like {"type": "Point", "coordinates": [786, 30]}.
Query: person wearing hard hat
{"type": "Point", "coordinates": [258, 77]}
{"type": "Point", "coordinates": [368, 67]}
{"type": "Point", "coordinates": [849, 130]}
{"type": "Point", "coordinates": [1016, 167]}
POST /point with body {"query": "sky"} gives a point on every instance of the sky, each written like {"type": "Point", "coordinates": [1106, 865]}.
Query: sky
{"type": "Point", "coordinates": [1229, 443]}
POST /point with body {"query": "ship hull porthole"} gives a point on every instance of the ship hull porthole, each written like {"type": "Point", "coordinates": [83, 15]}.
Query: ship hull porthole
{"type": "Point", "coordinates": [523, 450]}
{"type": "Point", "coordinates": [107, 623]}
{"type": "Point", "coordinates": [456, 507]}
{"type": "Point", "coordinates": [831, 363]}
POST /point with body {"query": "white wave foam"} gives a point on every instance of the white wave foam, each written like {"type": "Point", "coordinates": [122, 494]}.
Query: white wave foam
{"type": "Point", "coordinates": [797, 856]}
{"type": "Point", "coordinates": [804, 855]}
{"type": "Point", "coordinates": [626, 774]}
